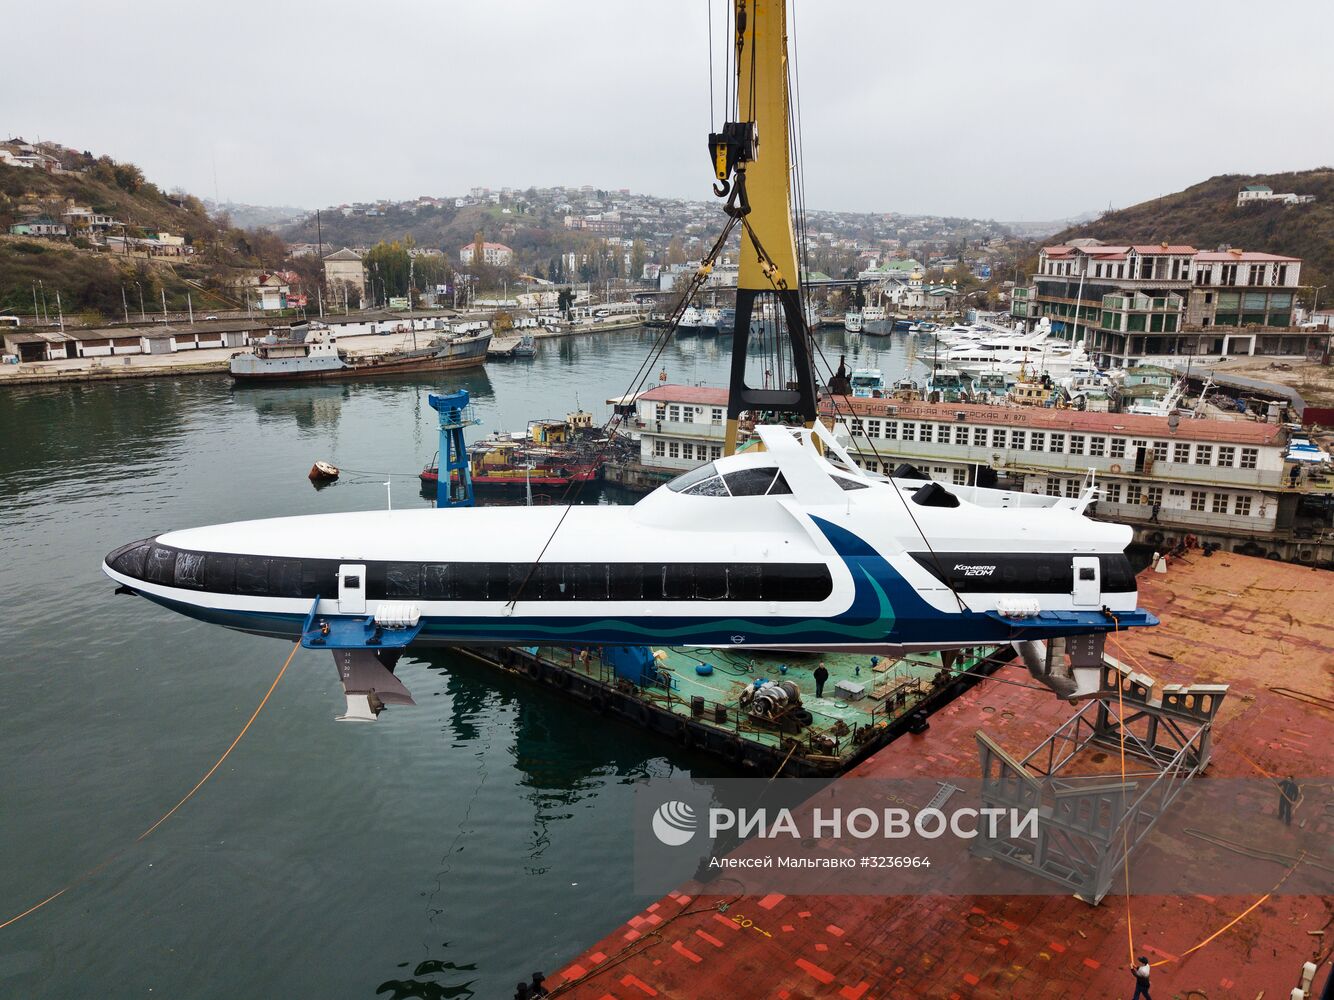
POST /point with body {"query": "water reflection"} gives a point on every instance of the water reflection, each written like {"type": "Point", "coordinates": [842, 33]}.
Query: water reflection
{"type": "Point", "coordinates": [433, 988]}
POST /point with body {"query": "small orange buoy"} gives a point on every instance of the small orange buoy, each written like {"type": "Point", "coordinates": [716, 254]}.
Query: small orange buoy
{"type": "Point", "coordinates": [323, 472]}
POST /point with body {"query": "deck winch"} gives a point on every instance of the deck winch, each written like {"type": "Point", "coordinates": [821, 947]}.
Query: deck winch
{"type": "Point", "coordinates": [775, 702]}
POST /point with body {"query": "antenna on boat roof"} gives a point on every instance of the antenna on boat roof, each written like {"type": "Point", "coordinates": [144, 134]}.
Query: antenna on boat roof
{"type": "Point", "coordinates": [389, 494]}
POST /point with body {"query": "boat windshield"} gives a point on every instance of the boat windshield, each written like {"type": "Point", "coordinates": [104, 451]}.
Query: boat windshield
{"type": "Point", "coordinates": [707, 482]}
{"type": "Point", "coordinates": [682, 482]}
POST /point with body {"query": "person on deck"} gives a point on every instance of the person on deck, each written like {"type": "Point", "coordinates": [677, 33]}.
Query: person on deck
{"type": "Point", "coordinates": [1288, 793]}
{"type": "Point", "coordinates": [821, 675]}
{"type": "Point", "coordinates": [1141, 979]}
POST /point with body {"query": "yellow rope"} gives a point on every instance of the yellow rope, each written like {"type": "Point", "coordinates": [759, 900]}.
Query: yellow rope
{"type": "Point", "coordinates": [1125, 837]}
{"type": "Point", "coordinates": [170, 812]}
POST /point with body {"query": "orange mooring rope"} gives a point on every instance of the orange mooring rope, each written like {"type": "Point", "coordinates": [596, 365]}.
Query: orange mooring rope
{"type": "Point", "coordinates": [170, 812]}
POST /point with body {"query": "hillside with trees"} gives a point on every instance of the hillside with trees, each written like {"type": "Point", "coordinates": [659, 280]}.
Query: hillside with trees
{"type": "Point", "coordinates": [94, 280]}
{"type": "Point", "coordinates": [1207, 216]}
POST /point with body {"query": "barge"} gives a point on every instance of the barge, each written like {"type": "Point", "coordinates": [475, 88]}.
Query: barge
{"type": "Point", "coordinates": [696, 697]}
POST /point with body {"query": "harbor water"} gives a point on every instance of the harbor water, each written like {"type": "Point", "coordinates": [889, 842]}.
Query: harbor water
{"type": "Point", "coordinates": [448, 850]}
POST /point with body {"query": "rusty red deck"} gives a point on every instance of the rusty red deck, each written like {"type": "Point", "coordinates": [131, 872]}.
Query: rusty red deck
{"type": "Point", "coordinates": [1263, 627]}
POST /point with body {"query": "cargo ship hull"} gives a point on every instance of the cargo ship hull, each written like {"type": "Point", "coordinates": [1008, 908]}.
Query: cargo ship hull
{"type": "Point", "coordinates": [464, 352]}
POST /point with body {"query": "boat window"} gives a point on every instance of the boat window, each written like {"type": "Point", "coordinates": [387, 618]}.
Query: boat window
{"type": "Point", "coordinates": [1117, 575]}
{"type": "Point", "coordinates": [743, 582]}
{"type": "Point", "coordinates": [402, 579]}
{"type": "Point", "coordinates": [625, 582]}
{"type": "Point", "coordinates": [780, 486]}
{"type": "Point", "coordinates": [514, 582]}
{"type": "Point", "coordinates": [751, 482]}
{"type": "Point", "coordinates": [935, 495]}
{"type": "Point", "coordinates": [224, 573]}
{"type": "Point", "coordinates": [284, 578]}
{"type": "Point", "coordinates": [687, 479]}
{"type": "Point", "coordinates": [586, 581]}
{"type": "Point", "coordinates": [711, 582]}
{"type": "Point", "coordinates": [252, 575]}
{"type": "Point", "coordinates": [795, 582]}
{"type": "Point", "coordinates": [130, 559]}
{"type": "Point", "coordinates": [190, 570]}
{"type": "Point", "coordinates": [161, 565]}
{"type": "Point", "coordinates": [220, 573]}
{"type": "Point", "coordinates": [849, 484]}
{"type": "Point", "coordinates": [436, 582]}
{"type": "Point", "coordinates": [678, 582]}
{"type": "Point", "coordinates": [714, 487]}
{"type": "Point", "coordinates": [319, 578]}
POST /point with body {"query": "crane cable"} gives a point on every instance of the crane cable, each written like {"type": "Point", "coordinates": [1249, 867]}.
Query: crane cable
{"type": "Point", "coordinates": [575, 488]}
{"type": "Point", "coordinates": [91, 872]}
{"type": "Point", "coordinates": [779, 284]}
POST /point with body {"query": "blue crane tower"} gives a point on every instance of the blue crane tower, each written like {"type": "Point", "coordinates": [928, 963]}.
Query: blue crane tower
{"type": "Point", "coordinates": [455, 414]}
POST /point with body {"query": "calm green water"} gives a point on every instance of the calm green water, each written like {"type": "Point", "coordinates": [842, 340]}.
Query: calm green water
{"type": "Point", "coordinates": [446, 851]}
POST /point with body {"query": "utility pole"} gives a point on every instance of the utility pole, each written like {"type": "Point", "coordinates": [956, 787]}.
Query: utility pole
{"type": "Point", "coordinates": [189, 304]}
{"type": "Point", "coordinates": [143, 316]}
{"type": "Point", "coordinates": [60, 311]}
{"type": "Point", "coordinates": [164, 304]}
{"type": "Point", "coordinates": [37, 314]}
{"type": "Point", "coordinates": [125, 302]}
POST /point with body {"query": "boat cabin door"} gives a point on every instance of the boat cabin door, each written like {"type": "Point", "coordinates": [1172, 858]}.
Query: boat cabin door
{"type": "Point", "coordinates": [1087, 591]}
{"type": "Point", "coordinates": [352, 589]}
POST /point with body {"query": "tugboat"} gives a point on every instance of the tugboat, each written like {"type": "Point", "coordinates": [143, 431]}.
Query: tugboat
{"type": "Point", "coordinates": [311, 353]}
{"type": "Point", "coordinates": [868, 383]}
{"type": "Point", "coordinates": [550, 453]}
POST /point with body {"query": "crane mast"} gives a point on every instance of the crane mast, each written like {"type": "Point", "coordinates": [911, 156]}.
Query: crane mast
{"type": "Point", "coordinates": [752, 159]}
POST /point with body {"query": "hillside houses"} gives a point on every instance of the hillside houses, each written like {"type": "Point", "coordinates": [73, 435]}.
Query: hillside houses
{"type": "Point", "coordinates": [1255, 194]}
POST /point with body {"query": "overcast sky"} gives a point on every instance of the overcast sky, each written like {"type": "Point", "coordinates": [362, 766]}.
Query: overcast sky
{"type": "Point", "coordinates": [1032, 110]}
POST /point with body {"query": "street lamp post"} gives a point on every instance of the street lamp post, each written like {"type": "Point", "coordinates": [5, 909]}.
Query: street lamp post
{"type": "Point", "coordinates": [1329, 332]}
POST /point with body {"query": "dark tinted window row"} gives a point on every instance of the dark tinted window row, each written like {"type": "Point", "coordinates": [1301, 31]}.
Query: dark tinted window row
{"type": "Point", "coordinates": [1022, 572]}
{"type": "Point", "coordinates": [311, 578]}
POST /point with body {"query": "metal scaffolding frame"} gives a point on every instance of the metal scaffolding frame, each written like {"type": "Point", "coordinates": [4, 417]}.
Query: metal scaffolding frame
{"type": "Point", "coordinates": [1088, 825]}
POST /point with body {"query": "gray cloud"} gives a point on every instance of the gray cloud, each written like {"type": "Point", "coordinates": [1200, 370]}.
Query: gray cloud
{"type": "Point", "coordinates": [1014, 111]}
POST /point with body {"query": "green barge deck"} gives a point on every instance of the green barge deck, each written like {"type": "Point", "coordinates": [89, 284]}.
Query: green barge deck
{"type": "Point", "coordinates": [704, 712]}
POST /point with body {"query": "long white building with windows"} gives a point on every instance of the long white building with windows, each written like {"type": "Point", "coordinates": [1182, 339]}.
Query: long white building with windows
{"type": "Point", "coordinates": [1226, 481]}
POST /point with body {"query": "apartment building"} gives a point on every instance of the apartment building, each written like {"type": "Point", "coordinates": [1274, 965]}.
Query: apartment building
{"type": "Point", "coordinates": [1134, 302]}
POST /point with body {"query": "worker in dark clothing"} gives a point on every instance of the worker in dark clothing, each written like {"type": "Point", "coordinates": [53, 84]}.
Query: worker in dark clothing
{"type": "Point", "coordinates": [1154, 514]}
{"type": "Point", "coordinates": [1288, 793]}
{"type": "Point", "coordinates": [821, 675]}
{"type": "Point", "coordinates": [1141, 972]}
{"type": "Point", "coordinates": [1292, 476]}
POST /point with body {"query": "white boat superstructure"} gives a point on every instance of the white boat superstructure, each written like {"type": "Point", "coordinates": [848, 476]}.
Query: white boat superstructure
{"type": "Point", "coordinates": [780, 547]}
{"type": "Point", "coordinates": [692, 321]}
{"type": "Point", "coordinates": [867, 383]}
{"type": "Point", "coordinates": [852, 321]}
